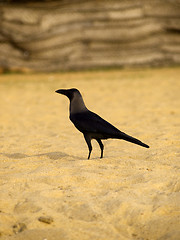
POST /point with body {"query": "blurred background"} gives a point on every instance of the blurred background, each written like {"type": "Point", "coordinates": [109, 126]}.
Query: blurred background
{"type": "Point", "coordinates": [65, 35]}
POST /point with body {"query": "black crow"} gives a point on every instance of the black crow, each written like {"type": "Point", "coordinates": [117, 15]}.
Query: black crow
{"type": "Point", "coordinates": [90, 124]}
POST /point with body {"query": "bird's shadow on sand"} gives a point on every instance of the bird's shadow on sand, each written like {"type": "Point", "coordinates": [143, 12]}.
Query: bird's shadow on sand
{"type": "Point", "coordinates": [50, 155]}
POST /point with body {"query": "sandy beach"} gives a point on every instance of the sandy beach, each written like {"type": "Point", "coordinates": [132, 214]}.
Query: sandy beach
{"type": "Point", "coordinates": [48, 188]}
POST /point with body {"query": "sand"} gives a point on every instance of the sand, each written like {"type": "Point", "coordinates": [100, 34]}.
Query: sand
{"type": "Point", "coordinates": [48, 188]}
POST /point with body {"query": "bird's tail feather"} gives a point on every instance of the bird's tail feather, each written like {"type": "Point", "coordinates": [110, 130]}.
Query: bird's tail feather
{"type": "Point", "coordinates": [132, 140]}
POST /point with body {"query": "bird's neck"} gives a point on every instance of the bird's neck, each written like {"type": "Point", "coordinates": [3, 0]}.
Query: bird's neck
{"type": "Point", "coordinates": [77, 105]}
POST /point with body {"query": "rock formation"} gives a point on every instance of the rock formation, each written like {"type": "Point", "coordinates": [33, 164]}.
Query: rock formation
{"type": "Point", "coordinates": [85, 34]}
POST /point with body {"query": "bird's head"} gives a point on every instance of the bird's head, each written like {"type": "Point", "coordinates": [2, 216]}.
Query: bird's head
{"type": "Point", "coordinates": [70, 93]}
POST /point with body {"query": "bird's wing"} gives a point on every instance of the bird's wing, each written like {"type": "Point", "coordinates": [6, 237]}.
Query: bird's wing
{"type": "Point", "coordinates": [90, 122]}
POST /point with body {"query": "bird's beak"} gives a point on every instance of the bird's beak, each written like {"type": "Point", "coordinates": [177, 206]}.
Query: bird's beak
{"type": "Point", "coordinates": [65, 92]}
{"type": "Point", "coordinates": [62, 91]}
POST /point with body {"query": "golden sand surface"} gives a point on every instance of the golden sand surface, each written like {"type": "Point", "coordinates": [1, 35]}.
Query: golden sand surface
{"type": "Point", "coordinates": [48, 188]}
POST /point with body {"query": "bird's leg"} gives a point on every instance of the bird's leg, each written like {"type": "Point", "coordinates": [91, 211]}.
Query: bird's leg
{"type": "Point", "coordinates": [88, 141]}
{"type": "Point", "coordinates": [101, 146]}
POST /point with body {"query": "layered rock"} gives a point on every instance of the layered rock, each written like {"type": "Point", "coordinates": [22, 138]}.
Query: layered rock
{"type": "Point", "coordinates": [64, 35]}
